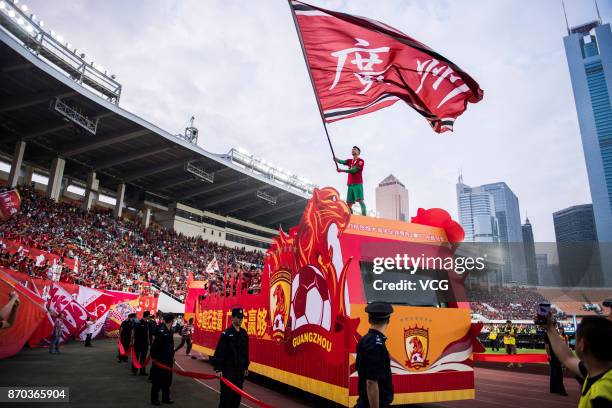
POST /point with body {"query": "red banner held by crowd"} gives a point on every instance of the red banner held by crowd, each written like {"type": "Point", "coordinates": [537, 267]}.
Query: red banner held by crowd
{"type": "Point", "coordinates": [359, 65]}
{"type": "Point", "coordinates": [39, 256]}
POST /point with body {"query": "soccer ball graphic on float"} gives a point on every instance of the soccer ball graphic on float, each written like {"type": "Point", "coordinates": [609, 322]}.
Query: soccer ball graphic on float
{"type": "Point", "coordinates": [310, 299]}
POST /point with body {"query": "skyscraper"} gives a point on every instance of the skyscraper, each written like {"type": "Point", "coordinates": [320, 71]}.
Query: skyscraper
{"type": "Point", "coordinates": [543, 269]}
{"type": "Point", "coordinates": [510, 232]}
{"type": "Point", "coordinates": [490, 213]}
{"type": "Point", "coordinates": [575, 224]}
{"type": "Point", "coordinates": [392, 199]}
{"type": "Point", "coordinates": [530, 254]}
{"type": "Point", "coordinates": [589, 56]}
{"type": "Point", "coordinates": [579, 255]}
{"type": "Point", "coordinates": [476, 213]}
{"type": "Point", "coordinates": [507, 211]}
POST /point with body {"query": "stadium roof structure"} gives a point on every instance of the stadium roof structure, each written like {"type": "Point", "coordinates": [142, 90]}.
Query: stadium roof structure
{"type": "Point", "coordinates": [45, 105]}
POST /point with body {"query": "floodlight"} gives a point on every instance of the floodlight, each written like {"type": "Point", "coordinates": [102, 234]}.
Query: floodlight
{"type": "Point", "coordinates": [11, 13]}
{"type": "Point", "coordinates": [2, 5]}
{"type": "Point", "coordinates": [60, 38]}
{"type": "Point", "coordinates": [24, 8]}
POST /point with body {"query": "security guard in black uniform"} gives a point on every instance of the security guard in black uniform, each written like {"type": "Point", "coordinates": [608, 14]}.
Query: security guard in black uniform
{"type": "Point", "coordinates": [152, 327]}
{"type": "Point", "coordinates": [231, 359]}
{"type": "Point", "coordinates": [125, 336]}
{"type": "Point", "coordinates": [141, 342]}
{"type": "Point", "coordinates": [152, 330]}
{"type": "Point", "coordinates": [556, 368]}
{"type": "Point", "coordinates": [162, 351]}
{"type": "Point", "coordinates": [373, 362]}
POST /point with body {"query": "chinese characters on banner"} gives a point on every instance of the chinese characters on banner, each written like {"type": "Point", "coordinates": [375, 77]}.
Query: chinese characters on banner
{"type": "Point", "coordinates": [359, 65]}
{"type": "Point", "coordinates": [10, 201]}
{"type": "Point", "coordinates": [255, 321]}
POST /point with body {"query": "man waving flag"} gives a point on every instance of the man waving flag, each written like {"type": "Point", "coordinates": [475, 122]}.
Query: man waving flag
{"type": "Point", "coordinates": [358, 65]}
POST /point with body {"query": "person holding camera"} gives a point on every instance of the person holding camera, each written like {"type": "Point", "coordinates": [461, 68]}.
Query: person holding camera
{"type": "Point", "coordinates": [593, 361]}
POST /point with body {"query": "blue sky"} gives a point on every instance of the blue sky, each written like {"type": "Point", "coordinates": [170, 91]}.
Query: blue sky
{"type": "Point", "coordinates": [237, 66]}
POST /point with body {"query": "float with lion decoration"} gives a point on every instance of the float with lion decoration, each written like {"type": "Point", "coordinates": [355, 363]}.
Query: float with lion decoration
{"type": "Point", "coordinates": [305, 322]}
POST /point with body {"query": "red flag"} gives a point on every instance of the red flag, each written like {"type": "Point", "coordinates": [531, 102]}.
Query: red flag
{"type": "Point", "coordinates": [10, 201]}
{"type": "Point", "coordinates": [359, 65]}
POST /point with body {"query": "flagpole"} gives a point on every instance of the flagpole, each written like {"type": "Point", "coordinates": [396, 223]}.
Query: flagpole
{"type": "Point", "coordinates": [314, 89]}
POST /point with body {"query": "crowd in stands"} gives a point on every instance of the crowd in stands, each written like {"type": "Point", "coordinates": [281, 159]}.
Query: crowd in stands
{"type": "Point", "coordinates": [119, 254]}
{"type": "Point", "coordinates": [503, 302]}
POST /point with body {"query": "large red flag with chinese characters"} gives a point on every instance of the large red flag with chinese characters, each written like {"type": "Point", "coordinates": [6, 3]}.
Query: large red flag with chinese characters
{"type": "Point", "coordinates": [359, 65]}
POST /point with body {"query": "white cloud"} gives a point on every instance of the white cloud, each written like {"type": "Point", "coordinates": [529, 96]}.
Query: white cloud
{"type": "Point", "coordinates": [237, 66]}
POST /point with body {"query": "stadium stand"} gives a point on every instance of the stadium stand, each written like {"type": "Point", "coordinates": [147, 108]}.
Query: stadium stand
{"type": "Point", "coordinates": [578, 301]}
{"type": "Point", "coordinates": [500, 302]}
{"type": "Point", "coordinates": [519, 303]}
{"type": "Point", "coordinates": [118, 254]}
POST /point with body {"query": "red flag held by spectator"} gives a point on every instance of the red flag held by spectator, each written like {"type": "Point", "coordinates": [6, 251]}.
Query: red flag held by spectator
{"type": "Point", "coordinates": [10, 202]}
{"type": "Point", "coordinates": [359, 65]}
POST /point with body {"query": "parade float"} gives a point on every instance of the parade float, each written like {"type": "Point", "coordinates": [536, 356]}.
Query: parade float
{"type": "Point", "coordinates": [308, 316]}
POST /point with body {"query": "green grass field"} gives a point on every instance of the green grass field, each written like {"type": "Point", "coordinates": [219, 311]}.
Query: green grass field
{"type": "Point", "coordinates": [518, 351]}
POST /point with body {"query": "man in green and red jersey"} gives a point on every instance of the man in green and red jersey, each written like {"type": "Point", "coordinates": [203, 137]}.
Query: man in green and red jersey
{"type": "Point", "coordinates": [355, 180]}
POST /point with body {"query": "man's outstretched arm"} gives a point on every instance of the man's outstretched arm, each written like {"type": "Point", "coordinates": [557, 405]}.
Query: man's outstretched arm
{"type": "Point", "coordinates": [561, 349]}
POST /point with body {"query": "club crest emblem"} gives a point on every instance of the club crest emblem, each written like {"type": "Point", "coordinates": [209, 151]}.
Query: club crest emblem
{"type": "Point", "coordinates": [416, 340]}
{"type": "Point", "coordinates": [280, 290]}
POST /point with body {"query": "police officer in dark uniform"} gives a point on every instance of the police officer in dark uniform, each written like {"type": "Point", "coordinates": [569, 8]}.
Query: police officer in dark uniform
{"type": "Point", "coordinates": [152, 330]}
{"type": "Point", "coordinates": [231, 359]}
{"type": "Point", "coordinates": [162, 351]}
{"type": "Point", "coordinates": [152, 327]}
{"type": "Point", "coordinates": [556, 369]}
{"type": "Point", "coordinates": [373, 362]}
{"type": "Point", "coordinates": [141, 342]}
{"type": "Point", "coordinates": [125, 336]}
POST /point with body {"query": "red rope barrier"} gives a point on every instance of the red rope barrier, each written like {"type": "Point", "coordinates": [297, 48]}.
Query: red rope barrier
{"type": "Point", "coordinates": [204, 376]}
{"type": "Point", "coordinates": [122, 351]}
{"type": "Point", "coordinates": [137, 363]}
{"type": "Point", "coordinates": [191, 374]}
{"type": "Point", "coordinates": [511, 358]}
